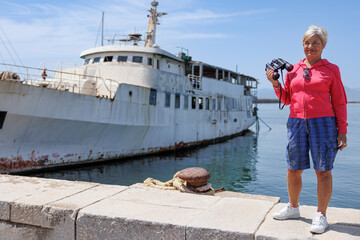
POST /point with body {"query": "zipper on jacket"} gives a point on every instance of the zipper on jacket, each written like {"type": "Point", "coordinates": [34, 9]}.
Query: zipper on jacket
{"type": "Point", "coordinates": [304, 98]}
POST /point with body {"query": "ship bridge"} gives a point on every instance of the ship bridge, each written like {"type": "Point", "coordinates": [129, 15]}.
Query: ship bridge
{"type": "Point", "coordinates": [199, 72]}
{"type": "Point", "coordinates": [116, 49]}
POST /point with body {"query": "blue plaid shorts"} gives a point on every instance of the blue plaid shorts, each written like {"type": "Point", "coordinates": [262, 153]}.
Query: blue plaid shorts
{"type": "Point", "coordinates": [315, 135]}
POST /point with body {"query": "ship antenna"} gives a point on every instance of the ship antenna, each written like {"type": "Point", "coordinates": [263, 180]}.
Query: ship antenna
{"type": "Point", "coordinates": [102, 29]}
{"type": "Point", "coordinates": [153, 21]}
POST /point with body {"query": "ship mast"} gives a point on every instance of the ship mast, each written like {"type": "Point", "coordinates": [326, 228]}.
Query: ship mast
{"type": "Point", "coordinates": [153, 21]}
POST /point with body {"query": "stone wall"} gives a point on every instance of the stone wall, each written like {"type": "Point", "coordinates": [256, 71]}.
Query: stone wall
{"type": "Point", "coordinates": [46, 209]}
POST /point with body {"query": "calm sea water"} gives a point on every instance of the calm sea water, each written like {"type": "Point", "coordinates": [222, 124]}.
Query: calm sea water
{"type": "Point", "coordinates": [252, 163]}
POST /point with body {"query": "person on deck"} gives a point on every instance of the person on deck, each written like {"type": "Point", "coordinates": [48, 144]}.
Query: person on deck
{"type": "Point", "coordinates": [317, 124]}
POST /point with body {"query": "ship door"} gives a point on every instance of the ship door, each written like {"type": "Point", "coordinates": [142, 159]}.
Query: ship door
{"type": "Point", "coordinates": [195, 77]}
{"type": "Point", "coordinates": [2, 118]}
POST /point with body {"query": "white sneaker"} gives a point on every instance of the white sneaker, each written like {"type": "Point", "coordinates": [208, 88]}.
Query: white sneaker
{"type": "Point", "coordinates": [287, 212]}
{"type": "Point", "coordinates": [319, 223]}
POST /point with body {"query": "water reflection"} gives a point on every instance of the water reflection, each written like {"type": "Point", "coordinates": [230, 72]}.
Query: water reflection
{"type": "Point", "coordinates": [232, 164]}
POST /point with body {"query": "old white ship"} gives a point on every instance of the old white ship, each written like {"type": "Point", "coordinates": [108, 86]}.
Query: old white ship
{"type": "Point", "coordinates": [125, 100]}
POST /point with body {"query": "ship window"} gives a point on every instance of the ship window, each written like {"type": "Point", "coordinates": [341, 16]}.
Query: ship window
{"type": "Point", "coordinates": [207, 103]}
{"type": "Point", "coordinates": [152, 100]}
{"type": "Point", "coordinates": [186, 102]}
{"type": "Point", "coordinates": [158, 64]}
{"type": "Point", "coordinates": [196, 70]}
{"type": "Point", "coordinates": [167, 99]}
{"type": "Point", "coordinates": [209, 72]}
{"type": "Point", "coordinates": [227, 103]}
{"type": "Point", "coordinates": [220, 75]}
{"type": "Point", "coordinates": [2, 118]}
{"type": "Point", "coordinates": [193, 102]}
{"type": "Point", "coordinates": [233, 77]}
{"type": "Point", "coordinates": [87, 61]}
{"type": "Point", "coordinates": [122, 59]}
{"type": "Point", "coordinates": [201, 103]}
{"type": "Point", "coordinates": [213, 104]}
{"type": "Point", "coordinates": [226, 77]}
{"type": "Point", "coordinates": [108, 58]}
{"type": "Point", "coordinates": [96, 60]}
{"type": "Point", "coordinates": [150, 61]}
{"type": "Point", "coordinates": [177, 100]}
{"type": "Point", "coordinates": [137, 59]}
{"type": "Point", "coordinates": [219, 104]}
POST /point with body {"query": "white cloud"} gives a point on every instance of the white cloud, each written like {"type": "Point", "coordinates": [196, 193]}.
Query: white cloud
{"type": "Point", "coordinates": [18, 8]}
{"type": "Point", "coordinates": [199, 15]}
{"type": "Point", "coordinates": [181, 35]}
{"type": "Point", "coordinates": [63, 30]}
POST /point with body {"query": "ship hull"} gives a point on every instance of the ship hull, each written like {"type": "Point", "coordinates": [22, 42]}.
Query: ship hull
{"type": "Point", "coordinates": [46, 128]}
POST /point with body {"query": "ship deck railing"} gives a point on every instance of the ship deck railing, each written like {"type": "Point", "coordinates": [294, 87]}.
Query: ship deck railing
{"type": "Point", "coordinates": [195, 81]}
{"type": "Point", "coordinates": [62, 80]}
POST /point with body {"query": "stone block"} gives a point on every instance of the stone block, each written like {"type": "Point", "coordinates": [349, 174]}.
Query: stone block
{"type": "Point", "coordinates": [12, 231]}
{"type": "Point", "coordinates": [286, 229]}
{"type": "Point", "coordinates": [87, 197]}
{"type": "Point", "coordinates": [339, 231]}
{"type": "Point", "coordinates": [28, 210]}
{"type": "Point", "coordinates": [41, 184]}
{"type": "Point", "coordinates": [133, 220]}
{"type": "Point", "coordinates": [229, 218]}
{"type": "Point", "coordinates": [29, 204]}
{"type": "Point", "coordinates": [61, 215]}
{"type": "Point", "coordinates": [343, 224]}
{"type": "Point", "coordinates": [248, 196]}
{"type": "Point", "coordinates": [61, 222]}
{"type": "Point", "coordinates": [57, 208]}
{"type": "Point", "coordinates": [28, 182]}
{"type": "Point", "coordinates": [343, 216]}
{"type": "Point", "coordinates": [4, 211]}
{"type": "Point", "coordinates": [10, 193]}
{"type": "Point", "coordinates": [102, 227]}
{"type": "Point", "coordinates": [26, 214]}
{"type": "Point", "coordinates": [148, 195]}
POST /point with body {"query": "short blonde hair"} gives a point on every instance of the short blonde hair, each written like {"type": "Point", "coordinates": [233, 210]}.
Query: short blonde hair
{"type": "Point", "coordinates": [316, 30]}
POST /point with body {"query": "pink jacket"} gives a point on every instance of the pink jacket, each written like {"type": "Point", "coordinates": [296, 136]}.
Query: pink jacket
{"type": "Point", "coordinates": [323, 95]}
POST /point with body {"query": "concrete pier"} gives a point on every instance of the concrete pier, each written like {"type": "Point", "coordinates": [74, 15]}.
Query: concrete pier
{"type": "Point", "coordinates": [36, 208]}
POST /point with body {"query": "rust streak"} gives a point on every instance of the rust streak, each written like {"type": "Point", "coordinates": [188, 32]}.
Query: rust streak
{"type": "Point", "coordinates": [18, 163]}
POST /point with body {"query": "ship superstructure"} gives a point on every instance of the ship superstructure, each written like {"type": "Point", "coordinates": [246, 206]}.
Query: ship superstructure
{"type": "Point", "coordinates": [126, 100]}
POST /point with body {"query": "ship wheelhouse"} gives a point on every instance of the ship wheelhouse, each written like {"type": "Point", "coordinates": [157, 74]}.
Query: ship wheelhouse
{"type": "Point", "coordinates": [173, 81]}
{"type": "Point", "coordinates": [155, 58]}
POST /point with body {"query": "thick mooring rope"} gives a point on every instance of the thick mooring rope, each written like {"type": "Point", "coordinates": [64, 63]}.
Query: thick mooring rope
{"type": "Point", "coordinates": [178, 184]}
{"type": "Point", "coordinates": [7, 75]}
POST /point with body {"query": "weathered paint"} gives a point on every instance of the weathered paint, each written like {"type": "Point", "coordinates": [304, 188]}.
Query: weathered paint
{"type": "Point", "coordinates": [9, 165]}
{"type": "Point", "coordinates": [18, 165]}
{"type": "Point", "coordinates": [138, 136]}
{"type": "Point", "coordinates": [101, 111]}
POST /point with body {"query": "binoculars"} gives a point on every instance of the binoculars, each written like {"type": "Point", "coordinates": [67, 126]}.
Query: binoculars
{"type": "Point", "coordinates": [277, 64]}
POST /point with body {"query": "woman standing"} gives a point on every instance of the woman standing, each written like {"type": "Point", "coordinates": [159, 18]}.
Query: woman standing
{"type": "Point", "coordinates": [317, 124]}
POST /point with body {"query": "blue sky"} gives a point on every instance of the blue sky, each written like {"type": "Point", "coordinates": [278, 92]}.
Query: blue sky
{"type": "Point", "coordinates": [227, 33]}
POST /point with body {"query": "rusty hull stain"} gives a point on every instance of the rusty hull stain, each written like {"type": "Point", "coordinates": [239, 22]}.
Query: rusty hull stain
{"type": "Point", "coordinates": [18, 164]}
